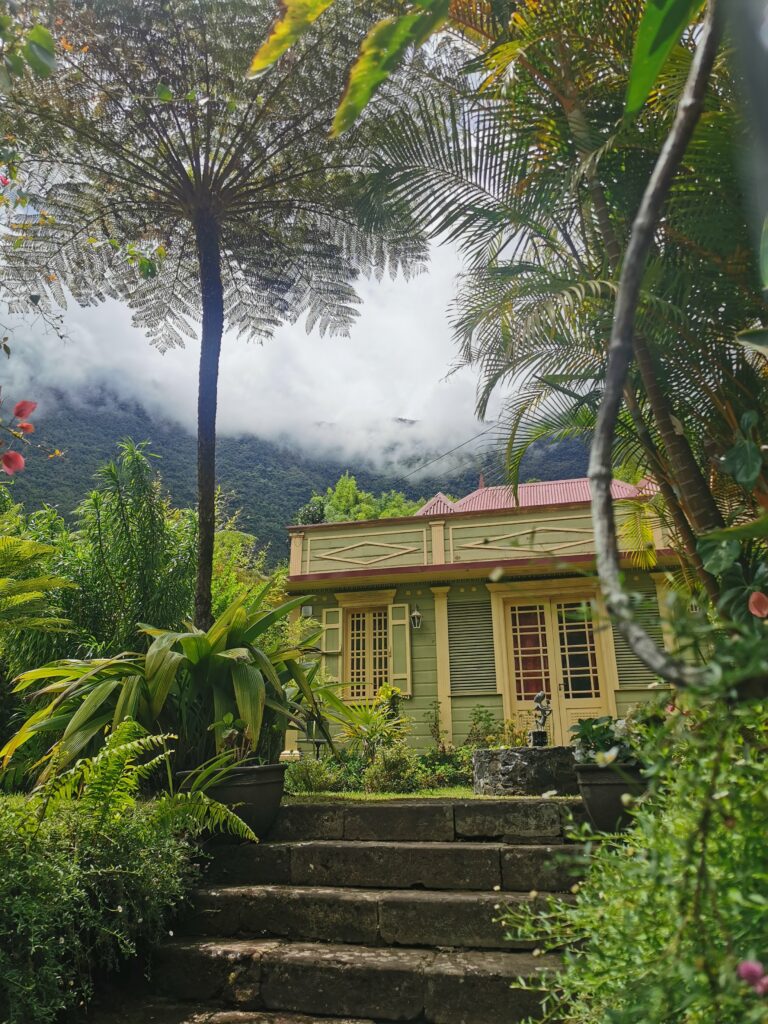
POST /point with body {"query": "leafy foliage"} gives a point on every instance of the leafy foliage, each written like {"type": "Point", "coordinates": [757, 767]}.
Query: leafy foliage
{"type": "Point", "coordinates": [91, 874]}
{"type": "Point", "coordinates": [130, 558]}
{"type": "Point", "coordinates": [345, 502]}
{"type": "Point", "coordinates": [666, 914]}
{"type": "Point", "coordinates": [660, 28]}
{"type": "Point", "coordinates": [187, 682]}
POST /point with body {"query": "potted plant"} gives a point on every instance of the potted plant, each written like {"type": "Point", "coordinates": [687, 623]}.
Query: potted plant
{"type": "Point", "coordinates": [606, 769]}
{"type": "Point", "coordinates": [231, 689]}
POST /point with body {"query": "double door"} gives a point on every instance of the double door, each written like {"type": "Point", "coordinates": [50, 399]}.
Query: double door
{"type": "Point", "coordinates": [554, 645]}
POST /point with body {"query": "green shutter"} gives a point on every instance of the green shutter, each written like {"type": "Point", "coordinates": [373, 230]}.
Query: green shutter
{"type": "Point", "coordinates": [470, 645]}
{"type": "Point", "coordinates": [332, 642]}
{"type": "Point", "coordinates": [400, 647]}
{"type": "Point", "coordinates": [631, 671]}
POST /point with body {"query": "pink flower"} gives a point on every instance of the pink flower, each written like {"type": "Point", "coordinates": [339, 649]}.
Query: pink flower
{"type": "Point", "coordinates": [751, 971]}
{"type": "Point", "coordinates": [4, 180]}
{"type": "Point", "coordinates": [26, 428]}
{"type": "Point", "coordinates": [761, 987]}
{"type": "Point", "coordinates": [758, 604]}
{"type": "Point", "coordinates": [13, 462]}
{"type": "Point", "coordinates": [23, 409]}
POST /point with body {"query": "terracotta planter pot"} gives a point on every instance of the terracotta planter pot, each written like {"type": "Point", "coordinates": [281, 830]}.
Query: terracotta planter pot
{"type": "Point", "coordinates": [254, 792]}
{"type": "Point", "coordinates": [601, 790]}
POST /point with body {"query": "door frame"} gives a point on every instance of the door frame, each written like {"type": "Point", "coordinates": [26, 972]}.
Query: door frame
{"type": "Point", "coordinates": [503, 595]}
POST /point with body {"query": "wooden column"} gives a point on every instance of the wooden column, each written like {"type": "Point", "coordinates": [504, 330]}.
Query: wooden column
{"type": "Point", "coordinates": [438, 542]}
{"type": "Point", "coordinates": [297, 551]}
{"type": "Point", "coordinates": [442, 653]}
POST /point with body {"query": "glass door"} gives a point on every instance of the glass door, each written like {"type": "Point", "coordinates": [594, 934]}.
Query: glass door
{"type": "Point", "coordinates": [552, 647]}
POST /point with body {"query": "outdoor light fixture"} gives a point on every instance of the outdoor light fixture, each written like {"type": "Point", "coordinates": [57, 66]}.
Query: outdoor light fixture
{"type": "Point", "coordinates": [306, 611]}
{"type": "Point", "coordinates": [416, 618]}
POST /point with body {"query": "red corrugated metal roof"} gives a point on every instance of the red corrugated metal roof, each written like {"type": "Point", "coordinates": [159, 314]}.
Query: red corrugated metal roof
{"type": "Point", "coordinates": [550, 492]}
{"type": "Point", "coordinates": [437, 506]}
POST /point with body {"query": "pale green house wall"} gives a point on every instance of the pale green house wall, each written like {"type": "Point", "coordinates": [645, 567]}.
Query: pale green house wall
{"type": "Point", "coordinates": [466, 597]}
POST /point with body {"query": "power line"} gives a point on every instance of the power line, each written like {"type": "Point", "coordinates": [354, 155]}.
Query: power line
{"type": "Point", "coordinates": [437, 458]}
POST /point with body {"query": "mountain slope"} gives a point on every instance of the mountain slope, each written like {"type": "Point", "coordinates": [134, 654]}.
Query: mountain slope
{"type": "Point", "coordinates": [267, 481]}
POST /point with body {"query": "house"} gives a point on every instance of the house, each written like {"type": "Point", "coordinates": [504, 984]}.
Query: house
{"type": "Point", "coordinates": [485, 600]}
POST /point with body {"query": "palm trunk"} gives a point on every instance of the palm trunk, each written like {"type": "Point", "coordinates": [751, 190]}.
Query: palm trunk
{"type": "Point", "coordinates": [212, 294]}
{"type": "Point", "coordinates": [660, 471]}
{"type": "Point", "coordinates": [695, 494]}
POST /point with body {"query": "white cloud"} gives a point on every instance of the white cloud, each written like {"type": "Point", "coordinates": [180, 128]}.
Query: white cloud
{"type": "Point", "coordinates": [335, 396]}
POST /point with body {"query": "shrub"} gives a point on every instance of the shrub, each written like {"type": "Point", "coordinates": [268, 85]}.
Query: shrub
{"type": "Point", "coordinates": [668, 918]}
{"type": "Point", "coordinates": [448, 767]}
{"type": "Point", "coordinates": [310, 775]}
{"type": "Point", "coordinates": [394, 769]}
{"type": "Point", "coordinates": [90, 874]}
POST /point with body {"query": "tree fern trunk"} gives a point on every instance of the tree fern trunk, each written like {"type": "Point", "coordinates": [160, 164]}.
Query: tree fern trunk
{"type": "Point", "coordinates": [212, 293]}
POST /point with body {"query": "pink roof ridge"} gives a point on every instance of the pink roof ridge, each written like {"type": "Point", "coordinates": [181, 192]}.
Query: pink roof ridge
{"type": "Point", "coordinates": [437, 506]}
{"type": "Point", "coordinates": [535, 495]}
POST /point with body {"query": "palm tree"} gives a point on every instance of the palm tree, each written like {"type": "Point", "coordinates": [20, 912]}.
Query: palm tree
{"type": "Point", "coordinates": [161, 177]}
{"type": "Point", "coordinates": [535, 176]}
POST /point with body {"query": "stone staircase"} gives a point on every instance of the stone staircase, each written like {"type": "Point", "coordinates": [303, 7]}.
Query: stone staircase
{"type": "Point", "coordinates": [378, 911]}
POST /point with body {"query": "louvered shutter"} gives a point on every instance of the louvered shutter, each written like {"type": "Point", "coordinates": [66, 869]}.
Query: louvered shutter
{"type": "Point", "coordinates": [332, 643]}
{"type": "Point", "coordinates": [631, 671]}
{"type": "Point", "coordinates": [470, 641]}
{"type": "Point", "coordinates": [400, 647]}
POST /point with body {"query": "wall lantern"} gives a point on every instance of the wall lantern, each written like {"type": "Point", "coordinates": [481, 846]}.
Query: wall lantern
{"type": "Point", "coordinates": [416, 618]}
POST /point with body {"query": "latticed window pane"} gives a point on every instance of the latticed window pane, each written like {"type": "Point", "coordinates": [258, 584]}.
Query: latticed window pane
{"type": "Point", "coordinates": [356, 660]}
{"type": "Point", "coordinates": [530, 656]}
{"type": "Point", "coordinates": [578, 653]}
{"type": "Point", "coordinates": [367, 652]}
{"type": "Point", "coordinates": [379, 643]}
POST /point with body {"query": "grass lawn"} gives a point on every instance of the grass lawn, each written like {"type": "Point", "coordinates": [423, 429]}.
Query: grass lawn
{"type": "Point", "coordinates": [444, 793]}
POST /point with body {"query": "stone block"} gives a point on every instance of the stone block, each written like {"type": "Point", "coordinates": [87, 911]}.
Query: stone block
{"type": "Point", "coordinates": [524, 771]}
{"type": "Point", "coordinates": [225, 972]}
{"type": "Point", "coordinates": [312, 913]}
{"type": "Point", "coordinates": [406, 821]}
{"type": "Point", "coordinates": [397, 865]}
{"type": "Point", "coordinates": [512, 821]}
{"type": "Point", "coordinates": [462, 919]}
{"type": "Point", "coordinates": [474, 988]}
{"type": "Point", "coordinates": [250, 864]}
{"type": "Point", "coordinates": [343, 980]}
{"type": "Point", "coordinates": [308, 821]}
{"type": "Point", "coordinates": [541, 868]}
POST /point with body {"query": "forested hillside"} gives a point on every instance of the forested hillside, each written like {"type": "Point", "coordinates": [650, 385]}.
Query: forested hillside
{"type": "Point", "coordinates": [267, 481]}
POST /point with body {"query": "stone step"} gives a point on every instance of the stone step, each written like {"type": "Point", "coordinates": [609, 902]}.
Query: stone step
{"type": "Point", "coordinates": [502, 820]}
{"type": "Point", "coordinates": [162, 1012]}
{"type": "Point", "coordinates": [336, 980]}
{"type": "Point", "coordinates": [373, 917]}
{"type": "Point", "coordinates": [399, 865]}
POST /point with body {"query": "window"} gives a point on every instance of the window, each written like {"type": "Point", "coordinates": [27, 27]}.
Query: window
{"type": "Point", "coordinates": [554, 640]}
{"type": "Point", "coordinates": [578, 654]}
{"type": "Point", "coordinates": [530, 654]}
{"type": "Point", "coordinates": [367, 652]}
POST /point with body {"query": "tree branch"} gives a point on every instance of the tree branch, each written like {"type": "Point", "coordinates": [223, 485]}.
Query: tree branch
{"type": "Point", "coordinates": [620, 357]}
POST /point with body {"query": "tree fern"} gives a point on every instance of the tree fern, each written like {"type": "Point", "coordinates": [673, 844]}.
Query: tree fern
{"type": "Point", "coordinates": [245, 214]}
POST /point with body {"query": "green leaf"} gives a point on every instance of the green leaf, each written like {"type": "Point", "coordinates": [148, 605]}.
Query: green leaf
{"type": "Point", "coordinates": [164, 92]}
{"type": "Point", "coordinates": [381, 52]}
{"type": "Point", "coordinates": [250, 694]}
{"type": "Point", "coordinates": [744, 462]}
{"type": "Point", "coordinates": [298, 16]}
{"type": "Point", "coordinates": [718, 555]}
{"type": "Point", "coordinates": [745, 531]}
{"type": "Point", "coordinates": [40, 52]}
{"type": "Point", "coordinates": [660, 28]}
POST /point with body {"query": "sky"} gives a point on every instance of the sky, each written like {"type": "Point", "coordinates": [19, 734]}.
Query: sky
{"type": "Point", "coordinates": [350, 398]}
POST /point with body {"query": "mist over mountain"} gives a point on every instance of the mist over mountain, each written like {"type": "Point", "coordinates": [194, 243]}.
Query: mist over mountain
{"type": "Point", "coordinates": [266, 480]}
